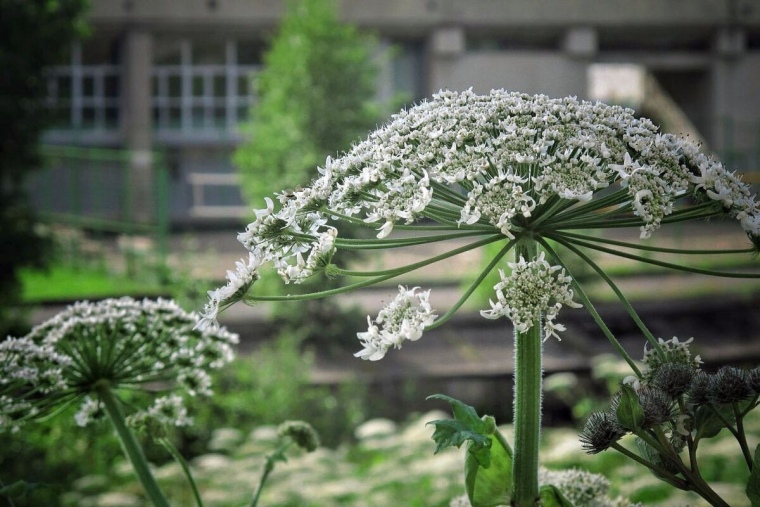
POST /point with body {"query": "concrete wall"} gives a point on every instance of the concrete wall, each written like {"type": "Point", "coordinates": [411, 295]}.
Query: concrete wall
{"type": "Point", "coordinates": [706, 52]}
{"type": "Point", "coordinates": [736, 105]}
{"type": "Point", "coordinates": [549, 73]}
{"type": "Point", "coordinates": [418, 15]}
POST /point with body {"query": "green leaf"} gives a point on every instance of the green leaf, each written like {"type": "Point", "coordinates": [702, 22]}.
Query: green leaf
{"type": "Point", "coordinates": [629, 412]}
{"type": "Point", "coordinates": [551, 496]}
{"type": "Point", "coordinates": [465, 426]}
{"type": "Point", "coordinates": [654, 457]}
{"type": "Point", "coordinates": [753, 485]}
{"type": "Point", "coordinates": [462, 412]}
{"type": "Point", "coordinates": [489, 486]}
{"type": "Point", "coordinates": [708, 424]}
{"type": "Point", "coordinates": [488, 464]}
{"type": "Point", "coordinates": [453, 433]}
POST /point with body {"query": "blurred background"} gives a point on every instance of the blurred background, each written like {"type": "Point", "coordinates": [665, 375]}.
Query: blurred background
{"type": "Point", "coordinates": [138, 135]}
{"type": "Point", "coordinates": [179, 77]}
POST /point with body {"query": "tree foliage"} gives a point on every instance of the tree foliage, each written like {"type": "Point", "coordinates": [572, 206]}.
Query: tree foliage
{"type": "Point", "coordinates": [35, 35]}
{"type": "Point", "coordinates": [315, 97]}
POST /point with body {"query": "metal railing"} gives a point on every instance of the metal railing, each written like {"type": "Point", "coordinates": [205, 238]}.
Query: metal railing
{"type": "Point", "coordinates": [92, 189]}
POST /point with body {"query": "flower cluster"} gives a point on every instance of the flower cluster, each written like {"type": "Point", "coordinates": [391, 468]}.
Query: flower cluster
{"type": "Point", "coordinates": [508, 165]}
{"type": "Point", "coordinates": [673, 397]}
{"type": "Point", "coordinates": [672, 354]}
{"type": "Point", "coordinates": [238, 282]}
{"type": "Point", "coordinates": [533, 289]}
{"type": "Point", "coordinates": [150, 346]}
{"type": "Point", "coordinates": [579, 487]}
{"type": "Point", "coordinates": [583, 488]}
{"type": "Point", "coordinates": [403, 319]}
{"type": "Point", "coordinates": [301, 433]}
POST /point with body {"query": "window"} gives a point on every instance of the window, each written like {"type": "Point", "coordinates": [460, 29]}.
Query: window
{"type": "Point", "coordinates": [84, 96]}
{"type": "Point", "coordinates": [204, 86]}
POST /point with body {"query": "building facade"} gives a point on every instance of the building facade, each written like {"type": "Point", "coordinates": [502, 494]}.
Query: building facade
{"type": "Point", "coordinates": [175, 76]}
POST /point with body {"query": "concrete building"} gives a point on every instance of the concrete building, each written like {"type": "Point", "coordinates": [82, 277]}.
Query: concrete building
{"type": "Point", "coordinates": [175, 75]}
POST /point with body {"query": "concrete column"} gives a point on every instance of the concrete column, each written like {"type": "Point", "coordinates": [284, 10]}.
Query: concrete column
{"type": "Point", "coordinates": [138, 121]}
{"type": "Point", "coordinates": [730, 42]}
{"type": "Point", "coordinates": [580, 42]}
{"type": "Point", "coordinates": [580, 45]}
{"type": "Point", "coordinates": [735, 103]}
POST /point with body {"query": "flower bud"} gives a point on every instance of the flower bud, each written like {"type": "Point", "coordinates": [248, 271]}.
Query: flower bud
{"type": "Point", "coordinates": [754, 379]}
{"type": "Point", "coordinates": [657, 406]}
{"type": "Point", "coordinates": [673, 378]}
{"type": "Point", "coordinates": [699, 390]}
{"type": "Point", "coordinates": [729, 385]}
{"type": "Point", "coordinates": [602, 429]}
{"type": "Point", "coordinates": [302, 434]}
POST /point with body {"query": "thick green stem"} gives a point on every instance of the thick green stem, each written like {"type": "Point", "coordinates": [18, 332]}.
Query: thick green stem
{"type": "Point", "coordinates": [527, 404]}
{"type": "Point", "coordinates": [131, 447]}
{"type": "Point", "coordinates": [741, 437]}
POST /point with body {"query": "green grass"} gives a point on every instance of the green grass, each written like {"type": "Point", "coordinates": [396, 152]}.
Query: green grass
{"type": "Point", "coordinates": [63, 284]}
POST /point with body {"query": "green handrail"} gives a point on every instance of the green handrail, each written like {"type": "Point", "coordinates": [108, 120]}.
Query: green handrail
{"type": "Point", "coordinates": [89, 207]}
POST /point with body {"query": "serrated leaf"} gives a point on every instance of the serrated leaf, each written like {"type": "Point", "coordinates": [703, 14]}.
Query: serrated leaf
{"type": "Point", "coordinates": [465, 426]}
{"type": "Point", "coordinates": [629, 412]}
{"type": "Point", "coordinates": [707, 422]}
{"type": "Point", "coordinates": [753, 484]}
{"type": "Point", "coordinates": [489, 486]}
{"type": "Point", "coordinates": [453, 433]}
{"type": "Point", "coordinates": [488, 464]}
{"type": "Point", "coordinates": [463, 412]}
{"type": "Point", "coordinates": [551, 496]}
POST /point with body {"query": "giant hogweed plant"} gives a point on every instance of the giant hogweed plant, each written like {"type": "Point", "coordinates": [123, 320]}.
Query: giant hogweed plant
{"type": "Point", "coordinates": [526, 173]}
{"type": "Point", "coordinates": [130, 362]}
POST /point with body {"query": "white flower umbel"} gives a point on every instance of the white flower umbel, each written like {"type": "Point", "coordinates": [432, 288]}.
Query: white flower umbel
{"type": "Point", "coordinates": [501, 164]}
{"type": "Point", "coordinates": [146, 347]}
{"type": "Point", "coordinates": [403, 319]}
{"type": "Point", "coordinates": [532, 290]}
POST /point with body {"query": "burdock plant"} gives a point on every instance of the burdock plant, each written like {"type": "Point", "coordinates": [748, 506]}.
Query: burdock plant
{"type": "Point", "coordinates": [526, 173]}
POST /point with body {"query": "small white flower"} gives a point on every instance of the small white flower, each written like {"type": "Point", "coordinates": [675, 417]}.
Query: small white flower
{"type": "Point", "coordinates": [170, 410]}
{"type": "Point", "coordinates": [532, 290]}
{"type": "Point", "coordinates": [633, 381]}
{"type": "Point", "coordinates": [681, 421]}
{"type": "Point", "coordinates": [237, 281]}
{"type": "Point", "coordinates": [405, 318]}
{"type": "Point", "coordinates": [89, 411]}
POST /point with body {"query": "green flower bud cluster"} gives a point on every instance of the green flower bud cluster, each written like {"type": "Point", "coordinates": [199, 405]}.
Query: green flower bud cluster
{"type": "Point", "coordinates": [301, 433]}
{"type": "Point", "coordinates": [670, 408]}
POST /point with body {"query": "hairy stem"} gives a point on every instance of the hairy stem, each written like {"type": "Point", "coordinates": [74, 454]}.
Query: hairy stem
{"type": "Point", "coordinates": [131, 447]}
{"type": "Point", "coordinates": [527, 404]}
